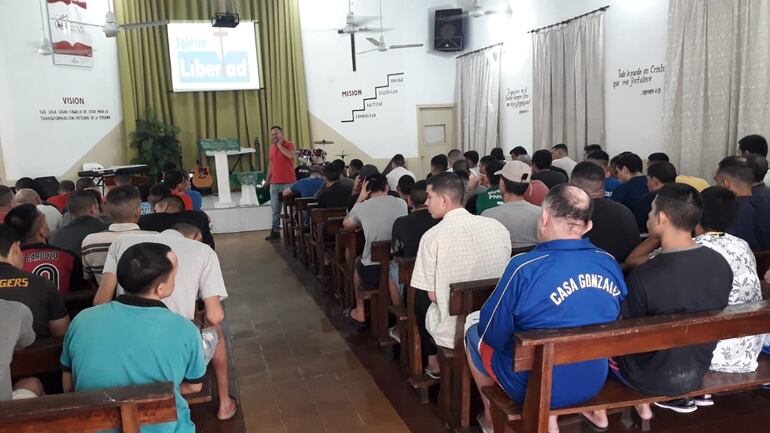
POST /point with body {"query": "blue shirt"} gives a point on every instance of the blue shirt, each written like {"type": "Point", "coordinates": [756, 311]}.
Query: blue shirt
{"type": "Point", "coordinates": [641, 210]}
{"type": "Point", "coordinates": [559, 284]}
{"type": "Point", "coordinates": [307, 187]}
{"type": "Point", "coordinates": [631, 191]}
{"type": "Point", "coordinates": [197, 199]}
{"type": "Point", "coordinates": [133, 341]}
{"type": "Point", "coordinates": [610, 183]}
{"type": "Point", "coordinates": [751, 222]}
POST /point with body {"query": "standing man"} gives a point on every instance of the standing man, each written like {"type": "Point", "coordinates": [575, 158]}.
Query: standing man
{"type": "Point", "coordinates": [280, 175]}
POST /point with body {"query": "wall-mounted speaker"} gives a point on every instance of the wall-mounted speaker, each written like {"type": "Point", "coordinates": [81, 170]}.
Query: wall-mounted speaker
{"type": "Point", "coordinates": [448, 33]}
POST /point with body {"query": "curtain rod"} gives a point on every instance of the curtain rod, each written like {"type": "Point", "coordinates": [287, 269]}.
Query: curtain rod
{"type": "Point", "coordinates": [477, 50]}
{"type": "Point", "coordinates": [601, 9]}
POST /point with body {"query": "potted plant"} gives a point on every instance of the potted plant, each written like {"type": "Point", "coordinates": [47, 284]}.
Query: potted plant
{"type": "Point", "coordinates": [156, 142]}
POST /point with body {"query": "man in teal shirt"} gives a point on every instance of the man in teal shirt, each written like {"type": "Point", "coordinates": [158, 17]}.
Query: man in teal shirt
{"type": "Point", "coordinates": [136, 339]}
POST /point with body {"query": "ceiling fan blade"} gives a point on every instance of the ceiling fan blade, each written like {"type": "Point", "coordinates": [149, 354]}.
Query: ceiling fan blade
{"type": "Point", "coordinates": [374, 41]}
{"type": "Point", "coordinates": [77, 22]}
{"type": "Point", "coordinates": [367, 51]}
{"type": "Point", "coordinates": [361, 20]}
{"type": "Point", "coordinates": [395, 47]}
{"type": "Point", "coordinates": [143, 25]}
{"type": "Point", "coordinates": [367, 29]}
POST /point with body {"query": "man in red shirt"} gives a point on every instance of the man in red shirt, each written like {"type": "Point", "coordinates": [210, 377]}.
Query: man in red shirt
{"type": "Point", "coordinates": [175, 180]}
{"type": "Point", "coordinates": [60, 201]}
{"type": "Point", "coordinates": [280, 175]}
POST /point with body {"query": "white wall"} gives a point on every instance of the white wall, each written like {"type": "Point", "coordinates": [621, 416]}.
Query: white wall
{"type": "Point", "coordinates": [635, 37]}
{"type": "Point", "coordinates": [30, 82]}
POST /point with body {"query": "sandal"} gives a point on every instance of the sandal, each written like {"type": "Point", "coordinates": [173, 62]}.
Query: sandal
{"type": "Point", "coordinates": [355, 322]}
{"type": "Point", "coordinates": [235, 410]}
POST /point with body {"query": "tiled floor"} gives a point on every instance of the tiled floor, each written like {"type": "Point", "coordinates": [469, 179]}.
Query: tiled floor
{"type": "Point", "coordinates": [301, 367]}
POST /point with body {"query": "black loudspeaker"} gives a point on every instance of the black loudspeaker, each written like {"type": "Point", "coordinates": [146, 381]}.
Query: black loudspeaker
{"type": "Point", "coordinates": [448, 35]}
{"type": "Point", "coordinates": [49, 186]}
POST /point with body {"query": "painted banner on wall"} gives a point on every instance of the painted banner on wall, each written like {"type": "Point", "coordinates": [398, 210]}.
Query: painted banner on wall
{"type": "Point", "coordinates": [72, 45]}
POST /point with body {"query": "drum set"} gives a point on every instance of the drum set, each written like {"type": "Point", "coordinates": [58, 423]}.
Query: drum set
{"type": "Point", "coordinates": [316, 156]}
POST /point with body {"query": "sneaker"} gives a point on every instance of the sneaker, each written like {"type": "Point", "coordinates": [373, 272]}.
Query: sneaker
{"type": "Point", "coordinates": [684, 405]}
{"type": "Point", "coordinates": [393, 332]}
{"type": "Point", "coordinates": [704, 400]}
{"type": "Point", "coordinates": [274, 235]}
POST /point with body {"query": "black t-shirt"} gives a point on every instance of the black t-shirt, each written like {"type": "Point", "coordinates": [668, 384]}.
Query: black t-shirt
{"type": "Point", "coordinates": [550, 177]}
{"type": "Point", "coordinates": [164, 221]}
{"type": "Point", "coordinates": [687, 281]}
{"type": "Point", "coordinates": [641, 210]}
{"type": "Point", "coordinates": [37, 293]}
{"type": "Point", "coordinates": [751, 222]}
{"type": "Point", "coordinates": [470, 205]}
{"type": "Point", "coordinates": [614, 229]}
{"type": "Point", "coordinates": [560, 170]}
{"type": "Point", "coordinates": [408, 230]}
{"type": "Point", "coordinates": [335, 195]}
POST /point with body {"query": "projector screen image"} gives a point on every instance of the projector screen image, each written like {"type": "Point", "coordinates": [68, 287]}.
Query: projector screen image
{"type": "Point", "coordinates": [213, 58]}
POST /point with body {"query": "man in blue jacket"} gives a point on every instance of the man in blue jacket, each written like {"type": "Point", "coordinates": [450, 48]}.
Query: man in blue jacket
{"type": "Point", "coordinates": [565, 281]}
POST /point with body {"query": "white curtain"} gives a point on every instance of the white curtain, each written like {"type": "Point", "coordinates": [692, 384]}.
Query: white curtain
{"type": "Point", "coordinates": [717, 80]}
{"type": "Point", "coordinates": [568, 84]}
{"type": "Point", "coordinates": [477, 99]}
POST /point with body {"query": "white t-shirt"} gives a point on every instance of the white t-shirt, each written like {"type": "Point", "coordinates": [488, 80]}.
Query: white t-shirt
{"type": "Point", "coordinates": [395, 175]}
{"type": "Point", "coordinates": [199, 275]}
{"type": "Point", "coordinates": [565, 163]}
{"type": "Point", "coordinates": [52, 216]}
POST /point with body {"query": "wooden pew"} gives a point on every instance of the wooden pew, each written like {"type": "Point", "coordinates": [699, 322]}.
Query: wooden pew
{"type": "Point", "coordinates": [378, 302]}
{"type": "Point", "coordinates": [300, 207]}
{"type": "Point", "coordinates": [763, 264]}
{"type": "Point", "coordinates": [336, 256]}
{"type": "Point", "coordinates": [405, 267]}
{"type": "Point", "coordinates": [318, 219]}
{"type": "Point", "coordinates": [125, 408]}
{"type": "Point", "coordinates": [288, 222]}
{"type": "Point", "coordinates": [78, 300]}
{"type": "Point", "coordinates": [539, 351]}
{"type": "Point", "coordinates": [351, 243]}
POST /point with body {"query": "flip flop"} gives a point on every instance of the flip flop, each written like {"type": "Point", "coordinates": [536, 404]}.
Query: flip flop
{"type": "Point", "coordinates": [355, 322]}
{"type": "Point", "coordinates": [235, 410]}
{"type": "Point", "coordinates": [481, 426]}
{"type": "Point", "coordinates": [592, 425]}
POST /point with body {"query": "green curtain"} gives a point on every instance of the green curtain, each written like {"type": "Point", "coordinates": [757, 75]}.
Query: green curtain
{"type": "Point", "coordinates": [145, 76]}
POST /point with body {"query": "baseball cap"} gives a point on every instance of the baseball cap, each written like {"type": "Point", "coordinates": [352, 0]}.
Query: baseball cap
{"type": "Point", "coordinates": [516, 171]}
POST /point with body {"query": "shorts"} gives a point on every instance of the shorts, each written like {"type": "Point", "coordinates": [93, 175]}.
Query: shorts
{"type": "Point", "coordinates": [472, 341]}
{"type": "Point", "coordinates": [394, 277]}
{"type": "Point", "coordinates": [614, 370]}
{"type": "Point", "coordinates": [22, 394]}
{"type": "Point", "coordinates": [370, 274]}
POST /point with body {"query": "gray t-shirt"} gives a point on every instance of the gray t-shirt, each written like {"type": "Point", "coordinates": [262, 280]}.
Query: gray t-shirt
{"type": "Point", "coordinates": [16, 323]}
{"type": "Point", "coordinates": [520, 218]}
{"type": "Point", "coordinates": [376, 215]}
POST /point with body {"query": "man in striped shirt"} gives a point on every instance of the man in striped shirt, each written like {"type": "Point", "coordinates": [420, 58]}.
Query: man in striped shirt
{"type": "Point", "coordinates": [123, 207]}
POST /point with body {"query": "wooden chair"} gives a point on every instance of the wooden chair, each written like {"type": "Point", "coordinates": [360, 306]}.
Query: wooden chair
{"type": "Point", "coordinates": [539, 351]}
{"type": "Point", "coordinates": [301, 206]}
{"type": "Point", "coordinates": [318, 242]}
{"type": "Point", "coordinates": [287, 221]}
{"type": "Point", "coordinates": [125, 408]}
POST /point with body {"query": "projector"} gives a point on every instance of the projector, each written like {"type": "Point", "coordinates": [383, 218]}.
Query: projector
{"type": "Point", "coordinates": [225, 20]}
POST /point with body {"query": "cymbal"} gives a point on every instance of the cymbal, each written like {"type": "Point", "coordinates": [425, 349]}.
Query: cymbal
{"type": "Point", "coordinates": [323, 142]}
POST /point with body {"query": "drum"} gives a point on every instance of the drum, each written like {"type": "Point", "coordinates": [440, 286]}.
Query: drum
{"type": "Point", "coordinates": [319, 157]}
{"type": "Point", "coordinates": [304, 156]}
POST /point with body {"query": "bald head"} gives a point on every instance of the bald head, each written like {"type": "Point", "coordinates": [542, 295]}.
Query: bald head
{"type": "Point", "coordinates": [27, 195]}
{"type": "Point", "coordinates": [567, 211]}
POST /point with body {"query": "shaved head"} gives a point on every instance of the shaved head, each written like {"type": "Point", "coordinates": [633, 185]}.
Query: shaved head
{"type": "Point", "coordinates": [27, 195]}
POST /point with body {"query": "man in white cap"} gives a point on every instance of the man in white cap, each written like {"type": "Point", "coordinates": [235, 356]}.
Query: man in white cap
{"type": "Point", "coordinates": [516, 214]}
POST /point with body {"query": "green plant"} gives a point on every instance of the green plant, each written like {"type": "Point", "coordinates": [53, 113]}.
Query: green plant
{"type": "Point", "coordinates": [156, 142]}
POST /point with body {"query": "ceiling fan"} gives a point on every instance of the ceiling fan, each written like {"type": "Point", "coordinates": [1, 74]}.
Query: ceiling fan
{"type": "Point", "coordinates": [478, 11]}
{"type": "Point", "coordinates": [354, 25]}
{"type": "Point", "coordinates": [381, 45]}
{"type": "Point", "coordinates": [111, 28]}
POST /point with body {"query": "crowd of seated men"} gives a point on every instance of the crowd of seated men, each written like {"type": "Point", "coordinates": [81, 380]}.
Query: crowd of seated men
{"type": "Point", "coordinates": [612, 238]}
{"type": "Point", "coordinates": [146, 256]}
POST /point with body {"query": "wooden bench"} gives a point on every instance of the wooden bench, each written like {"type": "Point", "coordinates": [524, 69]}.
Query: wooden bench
{"type": "Point", "coordinates": [78, 300]}
{"type": "Point", "coordinates": [763, 264]}
{"type": "Point", "coordinates": [287, 221]}
{"type": "Point", "coordinates": [350, 244]}
{"type": "Point", "coordinates": [318, 239]}
{"type": "Point", "coordinates": [539, 351]}
{"type": "Point", "coordinates": [301, 206]}
{"type": "Point", "coordinates": [42, 357]}
{"type": "Point", "coordinates": [125, 408]}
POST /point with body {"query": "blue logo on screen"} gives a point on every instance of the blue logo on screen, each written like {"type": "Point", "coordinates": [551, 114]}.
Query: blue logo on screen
{"type": "Point", "coordinates": [207, 67]}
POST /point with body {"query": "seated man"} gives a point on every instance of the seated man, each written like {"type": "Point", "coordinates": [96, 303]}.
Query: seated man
{"type": "Point", "coordinates": [462, 247]}
{"type": "Point", "coordinates": [351, 171]}
{"type": "Point", "coordinates": [49, 315]}
{"type": "Point", "coordinates": [490, 197]}
{"type": "Point", "coordinates": [684, 278]}
{"type": "Point", "coordinates": [375, 212]}
{"type": "Point", "coordinates": [756, 144]}
{"type": "Point", "coordinates": [542, 169]}
{"type": "Point", "coordinates": [16, 322]}
{"type": "Point", "coordinates": [438, 164]}
{"type": "Point", "coordinates": [751, 223]}
{"type": "Point", "coordinates": [7, 201]}
{"type": "Point", "coordinates": [175, 180]}
{"type": "Point", "coordinates": [695, 182]}
{"type": "Point", "coordinates": [658, 175]}
{"type": "Point", "coordinates": [473, 162]}
{"type": "Point", "coordinates": [397, 169]}
{"type": "Point", "coordinates": [561, 158]}
{"type": "Point", "coordinates": [602, 159]}
{"type": "Point", "coordinates": [59, 266]}
{"type": "Point", "coordinates": [199, 277]}
{"type": "Point", "coordinates": [308, 186]}
{"type": "Point", "coordinates": [334, 193]}
{"type": "Point", "coordinates": [758, 164]}
{"type": "Point", "coordinates": [195, 196]}
{"type": "Point", "coordinates": [170, 211]}
{"type": "Point", "coordinates": [565, 281]}
{"type": "Point", "coordinates": [123, 208]}
{"type": "Point", "coordinates": [66, 187]}
{"type": "Point", "coordinates": [404, 187]}
{"type": "Point", "coordinates": [614, 228]}
{"type": "Point", "coordinates": [517, 215]}
{"type": "Point", "coordinates": [29, 196]}
{"type": "Point", "coordinates": [634, 186]}
{"type": "Point", "coordinates": [84, 220]}
{"type": "Point", "coordinates": [588, 149]}
{"type": "Point", "coordinates": [136, 339]}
